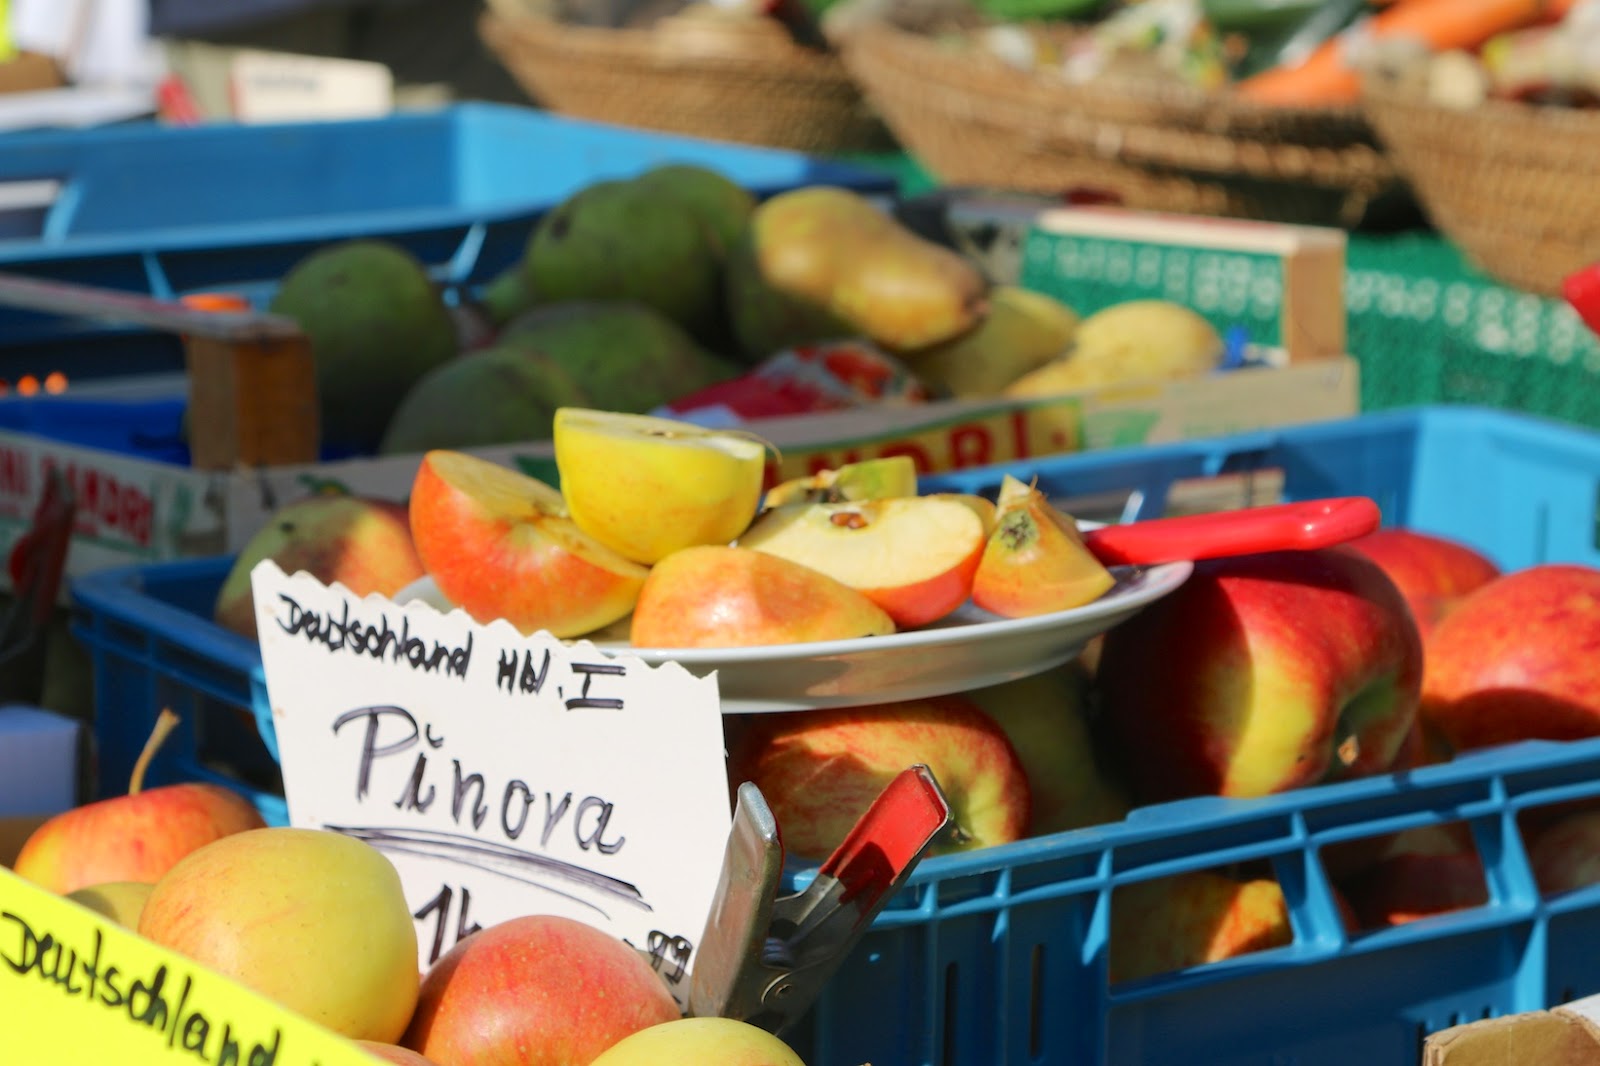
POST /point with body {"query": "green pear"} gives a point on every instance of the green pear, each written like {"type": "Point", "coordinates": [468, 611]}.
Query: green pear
{"type": "Point", "coordinates": [314, 920]}
{"type": "Point", "coordinates": [376, 323]}
{"type": "Point", "coordinates": [1023, 331]}
{"type": "Point", "coordinates": [623, 240]}
{"type": "Point", "coordinates": [834, 256]}
{"type": "Point", "coordinates": [721, 204]}
{"type": "Point", "coordinates": [500, 395]}
{"type": "Point", "coordinates": [1045, 718]}
{"type": "Point", "coordinates": [625, 356]}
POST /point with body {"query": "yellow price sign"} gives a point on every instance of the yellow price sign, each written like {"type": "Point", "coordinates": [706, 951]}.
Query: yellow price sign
{"type": "Point", "coordinates": [78, 990]}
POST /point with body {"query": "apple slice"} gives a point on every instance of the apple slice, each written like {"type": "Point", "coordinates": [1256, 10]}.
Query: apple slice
{"type": "Point", "coordinates": [499, 544]}
{"type": "Point", "coordinates": [1035, 560]}
{"type": "Point", "coordinates": [647, 487]}
{"type": "Point", "coordinates": [870, 479]}
{"type": "Point", "coordinates": [722, 597]}
{"type": "Point", "coordinates": [914, 556]}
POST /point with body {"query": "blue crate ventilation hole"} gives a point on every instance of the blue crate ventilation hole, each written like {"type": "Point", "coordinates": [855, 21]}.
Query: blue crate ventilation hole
{"type": "Point", "coordinates": [166, 212]}
{"type": "Point", "coordinates": [998, 957]}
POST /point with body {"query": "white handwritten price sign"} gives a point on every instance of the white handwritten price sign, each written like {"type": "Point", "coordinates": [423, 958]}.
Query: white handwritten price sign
{"type": "Point", "coordinates": [502, 774]}
{"type": "Point", "coordinates": [77, 989]}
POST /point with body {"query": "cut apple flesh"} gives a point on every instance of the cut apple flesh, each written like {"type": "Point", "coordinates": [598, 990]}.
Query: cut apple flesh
{"type": "Point", "coordinates": [647, 487]}
{"type": "Point", "coordinates": [499, 545]}
{"type": "Point", "coordinates": [1035, 561]}
{"type": "Point", "coordinates": [870, 479]}
{"type": "Point", "coordinates": [912, 556]}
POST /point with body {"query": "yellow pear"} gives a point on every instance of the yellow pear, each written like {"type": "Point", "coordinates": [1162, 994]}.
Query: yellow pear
{"type": "Point", "coordinates": [312, 919]}
{"type": "Point", "coordinates": [1023, 331]}
{"type": "Point", "coordinates": [647, 487]}
{"type": "Point", "coordinates": [821, 260]}
{"type": "Point", "coordinates": [1139, 340]}
{"type": "Point", "coordinates": [121, 901]}
{"type": "Point", "coordinates": [709, 1041]}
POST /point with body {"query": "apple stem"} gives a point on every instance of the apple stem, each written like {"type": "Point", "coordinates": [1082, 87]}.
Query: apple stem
{"type": "Point", "coordinates": [166, 722]}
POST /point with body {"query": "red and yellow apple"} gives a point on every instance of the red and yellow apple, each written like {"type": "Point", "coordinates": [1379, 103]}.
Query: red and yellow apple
{"type": "Point", "coordinates": [541, 990]}
{"type": "Point", "coordinates": [914, 556]}
{"type": "Point", "coordinates": [870, 479]}
{"type": "Point", "coordinates": [1519, 659]}
{"type": "Point", "coordinates": [137, 837]}
{"type": "Point", "coordinates": [1260, 674]}
{"type": "Point", "coordinates": [724, 597]}
{"type": "Point", "coordinates": [1411, 884]}
{"type": "Point", "coordinates": [1035, 560]}
{"type": "Point", "coordinates": [363, 544]}
{"type": "Point", "coordinates": [1045, 717]}
{"type": "Point", "coordinates": [314, 920]}
{"type": "Point", "coordinates": [1432, 572]}
{"type": "Point", "coordinates": [1172, 923]}
{"type": "Point", "coordinates": [500, 544]}
{"type": "Point", "coordinates": [646, 487]}
{"type": "Point", "coordinates": [821, 770]}
{"type": "Point", "coordinates": [1565, 854]}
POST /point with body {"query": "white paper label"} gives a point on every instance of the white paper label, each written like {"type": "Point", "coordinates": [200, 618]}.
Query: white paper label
{"type": "Point", "coordinates": [503, 775]}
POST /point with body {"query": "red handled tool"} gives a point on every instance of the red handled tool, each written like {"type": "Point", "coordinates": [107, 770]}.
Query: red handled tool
{"type": "Point", "coordinates": [1277, 527]}
{"type": "Point", "coordinates": [763, 959]}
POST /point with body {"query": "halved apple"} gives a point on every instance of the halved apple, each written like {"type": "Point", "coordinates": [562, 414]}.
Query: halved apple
{"type": "Point", "coordinates": [914, 556]}
{"type": "Point", "coordinates": [646, 487]}
{"type": "Point", "coordinates": [725, 597]}
{"type": "Point", "coordinates": [1035, 560]}
{"type": "Point", "coordinates": [499, 544]}
{"type": "Point", "coordinates": [870, 479]}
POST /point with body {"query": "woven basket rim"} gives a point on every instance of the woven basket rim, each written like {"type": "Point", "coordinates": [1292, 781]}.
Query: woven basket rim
{"type": "Point", "coordinates": [1538, 120]}
{"type": "Point", "coordinates": [642, 46]}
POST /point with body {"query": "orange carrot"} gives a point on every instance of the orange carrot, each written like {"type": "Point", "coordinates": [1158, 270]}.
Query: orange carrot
{"type": "Point", "coordinates": [1324, 77]}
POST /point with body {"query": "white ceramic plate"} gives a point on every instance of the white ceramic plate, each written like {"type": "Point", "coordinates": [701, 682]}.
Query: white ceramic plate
{"type": "Point", "coordinates": [966, 650]}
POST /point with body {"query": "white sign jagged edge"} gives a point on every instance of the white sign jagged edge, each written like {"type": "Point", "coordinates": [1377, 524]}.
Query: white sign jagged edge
{"type": "Point", "coordinates": [685, 839]}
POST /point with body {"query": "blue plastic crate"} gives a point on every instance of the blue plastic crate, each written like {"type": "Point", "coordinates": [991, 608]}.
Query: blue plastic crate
{"type": "Point", "coordinates": [999, 956]}
{"type": "Point", "coordinates": [168, 211]}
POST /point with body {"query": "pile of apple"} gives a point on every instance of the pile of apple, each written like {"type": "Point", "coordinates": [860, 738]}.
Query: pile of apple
{"type": "Point", "coordinates": [1260, 675]}
{"type": "Point", "coordinates": [317, 922]}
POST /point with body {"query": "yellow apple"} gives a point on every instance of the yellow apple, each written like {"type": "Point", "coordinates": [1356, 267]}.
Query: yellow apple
{"type": "Point", "coordinates": [499, 544]}
{"type": "Point", "coordinates": [870, 479]}
{"type": "Point", "coordinates": [712, 1041]}
{"type": "Point", "coordinates": [312, 919]}
{"type": "Point", "coordinates": [121, 901]}
{"type": "Point", "coordinates": [723, 597]}
{"type": "Point", "coordinates": [914, 556]}
{"type": "Point", "coordinates": [1172, 923]}
{"type": "Point", "coordinates": [646, 487]}
{"type": "Point", "coordinates": [1035, 561]}
{"type": "Point", "coordinates": [1045, 718]}
{"type": "Point", "coordinates": [136, 837]}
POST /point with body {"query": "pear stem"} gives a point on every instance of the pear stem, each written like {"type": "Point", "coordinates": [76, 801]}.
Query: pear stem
{"type": "Point", "coordinates": [166, 722]}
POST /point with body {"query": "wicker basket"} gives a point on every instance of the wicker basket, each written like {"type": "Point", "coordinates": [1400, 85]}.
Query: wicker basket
{"type": "Point", "coordinates": [727, 80]}
{"type": "Point", "coordinates": [1513, 185]}
{"type": "Point", "coordinates": [974, 120]}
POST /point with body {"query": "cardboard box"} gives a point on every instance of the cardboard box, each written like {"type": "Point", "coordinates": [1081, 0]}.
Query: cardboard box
{"type": "Point", "coordinates": [1568, 1035]}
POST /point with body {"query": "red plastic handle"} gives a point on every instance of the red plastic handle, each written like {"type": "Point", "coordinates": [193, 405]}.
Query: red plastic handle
{"type": "Point", "coordinates": [1279, 527]}
{"type": "Point", "coordinates": [888, 839]}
